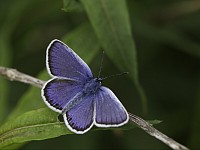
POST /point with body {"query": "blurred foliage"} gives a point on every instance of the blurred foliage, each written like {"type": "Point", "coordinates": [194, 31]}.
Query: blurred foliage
{"type": "Point", "coordinates": [166, 37]}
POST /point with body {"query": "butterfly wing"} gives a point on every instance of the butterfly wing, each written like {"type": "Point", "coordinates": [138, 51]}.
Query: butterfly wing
{"type": "Point", "coordinates": [109, 110]}
{"type": "Point", "coordinates": [80, 118]}
{"type": "Point", "coordinates": [57, 92]}
{"type": "Point", "coordinates": [62, 61]}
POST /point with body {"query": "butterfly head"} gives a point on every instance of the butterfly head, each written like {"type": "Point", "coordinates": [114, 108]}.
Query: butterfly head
{"type": "Point", "coordinates": [99, 80]}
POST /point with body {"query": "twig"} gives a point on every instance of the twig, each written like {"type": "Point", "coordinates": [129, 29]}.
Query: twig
{"type": "Point", "coordinates": [14, 75]}
{"type": "Point", "coordinates": [148, 128]}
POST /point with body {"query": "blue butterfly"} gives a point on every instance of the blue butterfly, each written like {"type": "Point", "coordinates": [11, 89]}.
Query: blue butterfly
{"type": "Point", "coordinates": [76, 94]}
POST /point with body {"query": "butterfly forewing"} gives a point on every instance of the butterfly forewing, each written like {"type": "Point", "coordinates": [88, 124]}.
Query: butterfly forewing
{"type": "Point", "coordinates": [64, 62]}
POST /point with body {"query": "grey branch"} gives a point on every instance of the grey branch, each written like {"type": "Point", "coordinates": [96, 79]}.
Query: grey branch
{"type": "Point", "coordinates": [148, 128]}
{"type": "Point", "coordinates": [14, 75]}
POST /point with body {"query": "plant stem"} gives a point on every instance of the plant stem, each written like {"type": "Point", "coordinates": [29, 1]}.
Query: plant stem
{"type": "Point", "coordinates": [148, 128]}
{"type": "Point", "coordinates": [14, 75]}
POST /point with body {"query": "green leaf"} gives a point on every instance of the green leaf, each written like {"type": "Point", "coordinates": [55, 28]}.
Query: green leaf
{"type": "Point", "coordinates": [86, 48]}
{"type": "Point", "coordinates": [32, 125]}
{"type": "Point", "coordinates": [38, 125]}
{"type": "Point", "coordinates": [72, 6]}
{"type": "Point", "coordinates": [113, 30]}
{"type": "Point", "coordinates": [168, 36]}
{"type": "Point", "coordinates": [110, 21]}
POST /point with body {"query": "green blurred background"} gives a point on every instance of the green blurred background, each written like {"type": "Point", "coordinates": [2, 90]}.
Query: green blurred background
{"type": "Point", "coordinates": [167, 39]}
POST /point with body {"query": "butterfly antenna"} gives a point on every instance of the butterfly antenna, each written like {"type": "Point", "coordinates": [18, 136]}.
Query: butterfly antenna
{"type": "Point", "coordinates": [102, 57]}
{"type": "Point", "coordinates": [114, 75]}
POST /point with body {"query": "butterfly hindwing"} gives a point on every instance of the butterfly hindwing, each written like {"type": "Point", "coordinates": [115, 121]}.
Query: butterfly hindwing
{"type": "Point", "coordinates": [109, 110]}
{"type": "Point", "coordinates": [81, 118]}
{"type": "Point", "coordinates": [62, 61]}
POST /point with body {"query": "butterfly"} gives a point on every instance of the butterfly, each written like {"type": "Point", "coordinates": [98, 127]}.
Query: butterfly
{"type": "Point", "coordinates": [76, 94]}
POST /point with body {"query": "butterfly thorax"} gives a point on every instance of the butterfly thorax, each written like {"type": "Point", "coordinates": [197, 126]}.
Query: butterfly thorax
{"type": "Point", "coordinates": [92, 86]}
